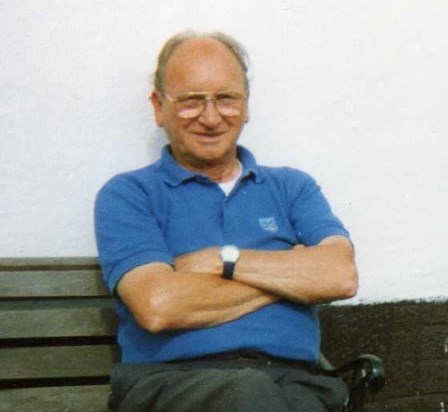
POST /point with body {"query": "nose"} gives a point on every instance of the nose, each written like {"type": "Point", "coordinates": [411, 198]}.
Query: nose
{"type": "Point", "coordinates": [210, 117]}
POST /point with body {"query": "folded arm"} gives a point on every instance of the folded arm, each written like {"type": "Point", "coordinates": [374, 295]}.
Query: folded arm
{"type": "Point", "coordinates": [193, 295]}
{"type": "Point", "coordinates": [162, 299]}
{"type": "Point", "coordinates": [309, 275]}
{"type": "Point", "coordinates": [316, 274]}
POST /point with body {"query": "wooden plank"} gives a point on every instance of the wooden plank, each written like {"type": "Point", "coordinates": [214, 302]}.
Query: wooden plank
{"type": "Point", "coordinates": [57, 318]}
{"type": "Point", "coordinates": [48, 262]}
{"type": "Point", "coordinates": [57, 361]}
{"type": "Point", "coordinates": [51, 283]}
{"type": "Point", "coordinates": [91, 398]}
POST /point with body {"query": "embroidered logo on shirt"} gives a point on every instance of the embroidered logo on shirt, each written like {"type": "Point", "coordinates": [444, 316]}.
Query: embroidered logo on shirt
{"type": "Point", "coordinates": [268, 224]}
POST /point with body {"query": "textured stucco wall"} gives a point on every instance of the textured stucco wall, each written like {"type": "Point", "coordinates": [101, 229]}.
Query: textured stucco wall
{"type": "Point", "coordinates": [353, 92]}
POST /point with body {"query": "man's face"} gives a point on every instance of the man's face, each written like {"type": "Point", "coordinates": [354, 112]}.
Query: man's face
{"type": "Point", "coordinates": [201, 65]}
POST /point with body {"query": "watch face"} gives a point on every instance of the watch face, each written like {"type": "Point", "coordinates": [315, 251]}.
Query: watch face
{"type": "Point", "coordinates": [230, 253]}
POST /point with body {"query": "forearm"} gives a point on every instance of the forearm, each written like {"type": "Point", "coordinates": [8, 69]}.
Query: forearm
{"type": "Point", "coordinates": [163, 300]}
{"type": "Point", "coordinates": [203, 301]}
{"type": "Point", "coordinates": [195, 295]}
{"type": "Point", "coordinates": [308, 275]}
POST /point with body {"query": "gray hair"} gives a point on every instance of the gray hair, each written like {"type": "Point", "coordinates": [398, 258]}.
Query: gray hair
{"type": "Point", "coordinates": [167, 50]}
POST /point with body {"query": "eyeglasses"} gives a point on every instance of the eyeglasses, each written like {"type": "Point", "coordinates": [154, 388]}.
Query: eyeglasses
{"type": "Point", "coordinates": [192, 104]}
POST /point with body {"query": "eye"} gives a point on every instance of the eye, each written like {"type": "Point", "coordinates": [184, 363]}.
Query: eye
{"type": "Point", "coordinates": [191, 98]}
{"type": "Point", "coordinates": [190, 101]}
{"type": "Point", "coordinates": [228, 98]}
{"type": "Point", "coordinates": [226, 95]}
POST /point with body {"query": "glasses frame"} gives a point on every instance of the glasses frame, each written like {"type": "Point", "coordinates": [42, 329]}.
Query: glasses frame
{"type": "Point", "coordinates": [207, 96]}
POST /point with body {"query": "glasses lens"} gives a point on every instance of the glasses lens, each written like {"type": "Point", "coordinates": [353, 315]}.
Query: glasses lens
{"type": "Point", "coordinates": [192, 105]}
{"type": "Point", "coordinates": [229, 104]}
{"type": "Point", "coordinates": [228, 111]}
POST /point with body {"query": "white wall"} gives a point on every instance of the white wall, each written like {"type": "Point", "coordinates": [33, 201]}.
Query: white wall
{"type": "Point", "coordinates": [354, 92]}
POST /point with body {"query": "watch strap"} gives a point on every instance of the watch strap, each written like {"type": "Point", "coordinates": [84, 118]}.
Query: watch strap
{"type": "Point", "coordinates": [229, 268]}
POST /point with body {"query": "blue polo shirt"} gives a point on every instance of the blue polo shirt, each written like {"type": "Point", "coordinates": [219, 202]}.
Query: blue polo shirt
{"type": "Point", "coordinates": [163, 210]}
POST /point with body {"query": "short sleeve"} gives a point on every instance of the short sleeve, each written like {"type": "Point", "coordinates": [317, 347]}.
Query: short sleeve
{"type": "Point", "coordinates": [127, 232]}
{"type": "Point", "coordinates": [310, 213]}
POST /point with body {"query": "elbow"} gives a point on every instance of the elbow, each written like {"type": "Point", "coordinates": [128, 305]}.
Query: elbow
{"type": "Point", "coordinates": [143, 292]}
{"type": "Point", "coordinates": [349, 285]}
{"type": "Point", "coordinates": [348, 275]}
{"type": "Point", "coordinates": [155, 319]}
{"type": "Point", "coordinates": [153, 324]}
{"type": "Point", "coordinates": [350, 290]}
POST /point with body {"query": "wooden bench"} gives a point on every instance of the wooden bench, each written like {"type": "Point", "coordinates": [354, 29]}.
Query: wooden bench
{"type": "Point", "coordinates": [57, 339]}
{"type": "Point", "coordinates": [57, 336]}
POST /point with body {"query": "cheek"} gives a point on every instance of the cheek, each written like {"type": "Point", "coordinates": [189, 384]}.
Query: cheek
{"type": "Point", "coordinates": [170, 120]}
{"type": "Point", "coordinates": [177, 129]}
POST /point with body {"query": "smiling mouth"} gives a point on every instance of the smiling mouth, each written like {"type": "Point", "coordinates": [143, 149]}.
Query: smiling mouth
{"type": "Point", "coordinates": [208, 135]}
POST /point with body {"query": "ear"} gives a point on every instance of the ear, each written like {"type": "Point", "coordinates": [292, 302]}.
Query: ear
{"type": "Point", "coordinates": [157, 105]}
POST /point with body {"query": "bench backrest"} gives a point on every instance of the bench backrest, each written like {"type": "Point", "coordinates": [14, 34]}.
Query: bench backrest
{"type": "Point", "coordinates": [57, 335]}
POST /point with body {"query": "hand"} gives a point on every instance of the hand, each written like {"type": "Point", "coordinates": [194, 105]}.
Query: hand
{"type": "Point", "coordinates": [201, 261]}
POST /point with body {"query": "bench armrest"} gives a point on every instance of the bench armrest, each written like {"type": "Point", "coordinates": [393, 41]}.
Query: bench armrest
{"type": "Point", "coordinates": [363, 374]}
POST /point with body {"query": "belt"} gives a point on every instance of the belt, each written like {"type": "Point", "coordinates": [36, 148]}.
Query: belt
{"type": "Point", "coordinates": [251, 356]}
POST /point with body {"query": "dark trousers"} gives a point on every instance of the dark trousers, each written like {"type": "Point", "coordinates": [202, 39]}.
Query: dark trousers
{"type": "Point", "coordinates": [230, 386]}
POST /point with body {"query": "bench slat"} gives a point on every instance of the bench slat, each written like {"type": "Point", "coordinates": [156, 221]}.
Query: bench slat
{"type": "Point", "coordinates": [57, 361]}
{"type": "Point", "coordinates": [20, 263]}
{"type": "Point", "coordinates": [56, 399]}
{"type": "Point", "coordinates": [51, 283]}
{"type": "Point", "coordinates": [55, 319]}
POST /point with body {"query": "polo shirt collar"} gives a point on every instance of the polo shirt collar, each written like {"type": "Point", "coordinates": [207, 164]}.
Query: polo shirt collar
{"type": "Point", "coordinates": [250, 167]}
{"type": "Point", "coordinates": [175, 175]}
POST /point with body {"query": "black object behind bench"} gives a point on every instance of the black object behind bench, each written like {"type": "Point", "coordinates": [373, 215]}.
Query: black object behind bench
{"type": "Point", "coordinates": [57, 339]}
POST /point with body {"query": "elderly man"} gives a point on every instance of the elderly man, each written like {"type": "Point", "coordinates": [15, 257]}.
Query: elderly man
{"type": "Point", "coordinates": [215, 261]}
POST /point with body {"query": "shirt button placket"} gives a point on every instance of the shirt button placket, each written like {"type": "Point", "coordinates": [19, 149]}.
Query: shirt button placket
{"type": "Point", "coordinates": [228, 222]}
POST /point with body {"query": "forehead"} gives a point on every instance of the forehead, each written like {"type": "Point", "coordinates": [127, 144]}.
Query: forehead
{"type": "Point", "coordinates": [203, 65]}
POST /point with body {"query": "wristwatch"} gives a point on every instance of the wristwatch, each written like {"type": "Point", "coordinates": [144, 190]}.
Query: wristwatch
{"type": "Point", "coordinates": [229, 255]}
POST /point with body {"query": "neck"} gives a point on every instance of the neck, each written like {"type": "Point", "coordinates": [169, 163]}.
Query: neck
{"type": "Point", "coordinates": [219, 173]}
{"type": "Point", "coordinates": [225, 173]}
